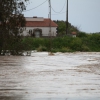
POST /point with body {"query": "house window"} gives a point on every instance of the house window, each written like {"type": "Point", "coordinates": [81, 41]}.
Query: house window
{"type": "Point", "coordinates": [30, 31]}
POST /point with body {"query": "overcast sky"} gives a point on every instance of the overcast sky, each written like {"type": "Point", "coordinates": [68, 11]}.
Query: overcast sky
{"type": "Point", "coordinates": [85, 14]}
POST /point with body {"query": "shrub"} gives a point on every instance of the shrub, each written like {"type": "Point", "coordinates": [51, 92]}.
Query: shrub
{"type": "Point", "coordinates": [76, 44]}
{"type": "Point", "coordinates": [85, 48]}
{"type": "Point", "coordinates": [41, 48]}
{"type": "Point", "coordinates": [55, 50]}
{"type": "Point", "coordinates": [65, 49]}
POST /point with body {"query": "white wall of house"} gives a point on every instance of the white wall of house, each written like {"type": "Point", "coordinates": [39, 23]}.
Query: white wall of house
{"type": "Point", "coordinates": [45, 31]}
{"type": "Point", "coordinates": [73, 35]}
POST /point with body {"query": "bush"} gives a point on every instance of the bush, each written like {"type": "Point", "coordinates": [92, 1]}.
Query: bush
{"type": "Point", "coordinates": [65, 49]}
{"type": "Point", "coordinates": [76, 44]}
{"type": "Point", "coordinates": [55, 50]}
{"type": "Point", "coordinates": [41, 48]}
{"type": "Point", "coordinates": [85, 48]}
{"type": "Point", "coordinates": [82, 34]}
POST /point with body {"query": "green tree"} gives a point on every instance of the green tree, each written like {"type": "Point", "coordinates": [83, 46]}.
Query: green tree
{"type": "Point", "coordinates": [12, 22]}
{"type": "Point", "coordinates": [62, 28]}
{"type": "Point", "coordinates": [82, 34]}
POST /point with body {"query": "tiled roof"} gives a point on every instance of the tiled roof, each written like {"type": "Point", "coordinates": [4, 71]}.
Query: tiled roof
{"type": "Point", "coordinates": [44, 23]}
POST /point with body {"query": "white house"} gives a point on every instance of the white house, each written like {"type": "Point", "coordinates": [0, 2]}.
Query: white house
{"type": "Point", "coordinates": [40, 27]}
{"type": "Point", "coordinates": [73, 34]}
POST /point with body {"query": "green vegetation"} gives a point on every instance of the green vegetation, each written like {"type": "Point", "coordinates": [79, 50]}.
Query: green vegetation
{"type": "Point", "coordinates": [62, 28]}
{"type": "Point", "coordinates": [12, 23]}
{"type": "Point", "coordinates": [86, 43]}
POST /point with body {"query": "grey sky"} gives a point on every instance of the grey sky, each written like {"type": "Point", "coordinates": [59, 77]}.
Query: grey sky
{"type": "Point", "coordinates": [85, 14]}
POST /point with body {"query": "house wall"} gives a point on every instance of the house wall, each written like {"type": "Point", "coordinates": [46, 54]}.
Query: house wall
{"type": "Point", "coordinates": [73, 35]}
{"type": "Point", "coordinates": [45, 31]}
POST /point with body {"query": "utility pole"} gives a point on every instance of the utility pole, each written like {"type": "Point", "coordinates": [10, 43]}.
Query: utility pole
{"type": "Point", "coordinates": [67, 18]}
{"type": "Point", "coordinates": [50, 17]}
{"type": "Point", "coordinates": [50, 24]}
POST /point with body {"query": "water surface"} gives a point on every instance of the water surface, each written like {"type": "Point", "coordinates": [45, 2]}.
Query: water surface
{"type": "Point", "coordinates": [70, 76]}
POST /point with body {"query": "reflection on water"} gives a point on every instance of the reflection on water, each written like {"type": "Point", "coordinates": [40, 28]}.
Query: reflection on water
{"type": "Point", "coordinates": [43, 77]}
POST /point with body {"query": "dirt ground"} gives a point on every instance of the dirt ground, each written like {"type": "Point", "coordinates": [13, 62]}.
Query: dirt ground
{"type": "Point", "coordinates": [62, 76]}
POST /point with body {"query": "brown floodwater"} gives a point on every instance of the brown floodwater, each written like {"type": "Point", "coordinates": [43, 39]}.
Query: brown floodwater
{"type": "Point", "coordinates": [70, 76]}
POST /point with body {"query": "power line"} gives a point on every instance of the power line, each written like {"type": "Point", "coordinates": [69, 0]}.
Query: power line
{"type": "Point", "coordinates": [33, 8]}
{"type": "Point", "coordinates": [59, 13]}
{"type": "Point", "coordinates": [36, 6]}
{"type": "Point", "coordinates": [61, 9]}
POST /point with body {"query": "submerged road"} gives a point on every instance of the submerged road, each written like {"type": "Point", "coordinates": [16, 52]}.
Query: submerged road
{"type": "Point", "coordinates": [68, 76]}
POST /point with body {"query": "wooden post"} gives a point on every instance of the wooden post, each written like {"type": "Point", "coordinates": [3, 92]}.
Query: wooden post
{"type": "Point", "coordinates": [67, 19]}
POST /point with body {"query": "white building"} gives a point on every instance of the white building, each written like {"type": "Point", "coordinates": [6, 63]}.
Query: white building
{"type": "Point", "coordinates": [73, 34]}
{"type": "Point", "coordinates": [40, 27]}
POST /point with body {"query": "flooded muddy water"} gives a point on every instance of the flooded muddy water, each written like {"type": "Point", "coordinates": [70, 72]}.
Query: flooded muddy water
{"type": "Point", "coordinates": [68, 76]}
